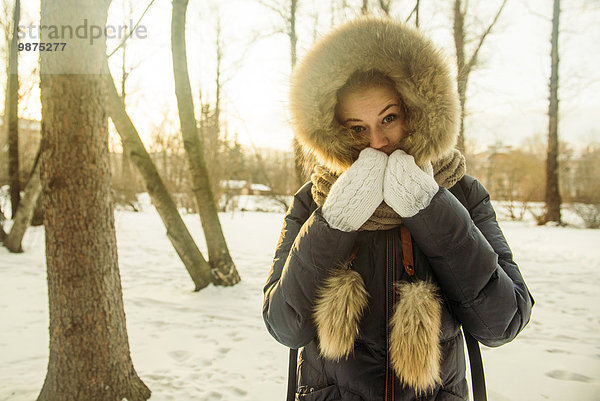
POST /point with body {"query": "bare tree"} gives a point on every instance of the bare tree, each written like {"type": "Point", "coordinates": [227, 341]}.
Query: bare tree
{"type": "Point", "coordinates": [24, 215]}
{"type": "Point", "coordinates": [167, 153]}
{"type": "Point", "coordinates": [385, 5]}
{"type": "Point", "coordinates": [89, 355]}
{"type": "Point", "coordinates": [274, 178]}
{"type": "Point", "coordinates": [134, 150]}
{"type": "Point", "coordinates": [20, 84]}
{"type": "Point", "coordinates": [124, 180]}
{"type": "Point", "coordinates": [287, 11]}
{"type": "Point", "coordinates": [6, 26]}
{"type": "Point", "coordinates": [218, 255]}
{"type": "Point", "coordinates": [126, 176]}
{"type": "Point", "coordinates": [415, 12]}
{"type": "Point", "coordinates": [338, 10]}
{"type": "Point", "coordinates": [210, 119]}
{"type": "Point", "coordinates": [364, 10]}
{"type": "Point", "coordinates": [553, 199]}
{"type": "Point", "coordinates": [464, 63]}
{"type": "Point", "coordinates": [587, 190]}
{"type": "Point", "coordinates": [11, 112]}
{"type": "Point", "coordinates": [177, 232]}
{"type": "Point", "coordinates": [2, 232]}
{"type": "Point", "coordinates": [292, 32]}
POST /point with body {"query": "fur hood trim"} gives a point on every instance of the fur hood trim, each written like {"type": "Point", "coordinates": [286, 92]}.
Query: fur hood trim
{"type": "Point", "coordinates": [419, 71]}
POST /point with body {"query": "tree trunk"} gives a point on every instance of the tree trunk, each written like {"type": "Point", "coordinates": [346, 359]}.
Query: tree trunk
{"type": "Point", "coordinates": [417, 6]}
{"type": "Point", "coordinates": [464, 66]}
{"type": "Point", "coordinates": [11, 114]}
{"type": "Point", "coordinates": [27, 207]}
{"type": "Point", "coordinates": [293, 35]}
{"type": "Point", "coordinates": [38, 214]}
{"type": "Point", "coordinates": [462, 75]}
{"type": "Point", "coordinates": [177, 232]}
{"type": "Point", "coordinates": [89, 355]}
{"type": "Point", "coordinates": [298, 158]}
{"type": "Point", "coordinates": [219, 258]}
{"type": "Point", "coordinates": [126, 184]}
{"type": "Point", "coordinates": [385, 6]}
{"type": "Point", "coordinates": [2, 232]}
{"type": "Point", "coordinates": [553, 199]}
{"type": "Point", "coordinates": [127, 180]}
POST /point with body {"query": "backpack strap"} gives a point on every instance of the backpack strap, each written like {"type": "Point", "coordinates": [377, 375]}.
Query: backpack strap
{"type": "Point", "coordinates": [477, 375]}
{"type": "Point", "coordinates": [407, 251]}
{"type": "Point", "coordinates": [291, 389]}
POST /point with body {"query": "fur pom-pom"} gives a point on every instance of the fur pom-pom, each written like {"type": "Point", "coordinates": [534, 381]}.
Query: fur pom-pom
{"type": "Point", "coordinates": [338, 309]}
{"type": "Point", "coordinates": [414, 336]}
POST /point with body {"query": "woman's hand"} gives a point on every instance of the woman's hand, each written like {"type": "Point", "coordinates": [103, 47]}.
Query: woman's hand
{"type": "Point", "coordinates": [407, 188]}
{"type": "Point", "coordinates": [357, 192]}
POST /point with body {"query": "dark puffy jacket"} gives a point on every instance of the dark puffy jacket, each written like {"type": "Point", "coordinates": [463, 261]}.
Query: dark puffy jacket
{"type": "Point", "coordinates": [464, 252]}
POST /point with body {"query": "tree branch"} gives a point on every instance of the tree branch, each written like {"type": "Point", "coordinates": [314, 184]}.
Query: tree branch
{"type": "Point", "coordinates": [535, 13]}
{"type": "Point", "coordinates": [473, 59]}
{"type": "Point", "coordinates": [271, 7]}
{"type": "Point", "coordinates": [131, 30]}
{"type": "Point", "coordinates": [411, 13]}
{"type": "Point", "coordinates": [385, 6]}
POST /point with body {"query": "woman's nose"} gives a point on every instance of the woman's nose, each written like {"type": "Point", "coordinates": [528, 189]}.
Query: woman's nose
{"type": "Point", "coordinates": [377, 139]}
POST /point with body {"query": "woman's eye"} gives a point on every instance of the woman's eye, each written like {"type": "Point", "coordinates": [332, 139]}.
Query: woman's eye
{"type": "Point", "coordinates": [389, 118]}
{"type": "Point", "coordinates": [357, 129]}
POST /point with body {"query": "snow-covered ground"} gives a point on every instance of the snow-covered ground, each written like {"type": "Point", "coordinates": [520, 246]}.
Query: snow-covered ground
{"type": "Point", "coordinates": [212, 345]}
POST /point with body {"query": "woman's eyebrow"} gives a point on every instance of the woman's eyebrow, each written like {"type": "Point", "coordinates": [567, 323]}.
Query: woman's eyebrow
{"type": "Point", "coordinates": [387, 107]}
{"type": "Point", "coordinates": [352, 120]}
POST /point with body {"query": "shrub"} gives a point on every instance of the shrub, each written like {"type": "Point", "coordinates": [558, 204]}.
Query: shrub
{"type": "Point", "coordinates": [589, 213]}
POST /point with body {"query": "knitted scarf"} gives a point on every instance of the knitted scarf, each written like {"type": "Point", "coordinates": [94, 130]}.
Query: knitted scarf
{"type": "Point", "coordinates": [448, 170]}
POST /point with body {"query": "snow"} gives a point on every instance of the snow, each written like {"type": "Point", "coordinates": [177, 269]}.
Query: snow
{"type": "Point", "coordinates": [212, 345]}
{"type": "Point", "coordinates": [257, 203]}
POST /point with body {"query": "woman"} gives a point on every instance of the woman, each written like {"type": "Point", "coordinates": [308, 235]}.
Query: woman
{"type": "Point", "coordinates": [374, 103]}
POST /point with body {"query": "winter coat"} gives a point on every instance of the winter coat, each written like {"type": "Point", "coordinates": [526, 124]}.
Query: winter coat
{"type": "Point", "coordinates": [460, 251]}
{"type": "Point", "coordinates": [468, 258]}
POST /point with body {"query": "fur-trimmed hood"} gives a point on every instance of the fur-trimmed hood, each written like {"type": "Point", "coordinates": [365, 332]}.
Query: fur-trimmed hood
{"type": "Point", "coordinates": [419, 71]}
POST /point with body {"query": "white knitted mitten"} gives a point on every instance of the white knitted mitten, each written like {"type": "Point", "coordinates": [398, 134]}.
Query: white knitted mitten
{"type": "Point", "coordinates": [357, 192]}
{"type": "Point", "coordinates": [406, 188]}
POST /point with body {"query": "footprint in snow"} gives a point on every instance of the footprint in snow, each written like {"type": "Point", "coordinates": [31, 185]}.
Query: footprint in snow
{"type": "Point", "coordinates": [557, 351]}
{"type": "Point", "coordinates": [179, 355]}
{"type": "Point", "coordinates": [238, 391]}
{"type": "Point", "coordinates": [569, 376]}
{"type": "Point", "coordinates": [213, 396]}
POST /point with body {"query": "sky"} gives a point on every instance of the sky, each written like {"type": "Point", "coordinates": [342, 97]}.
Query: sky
{"type": "Point", "coordinates": [507, 95]}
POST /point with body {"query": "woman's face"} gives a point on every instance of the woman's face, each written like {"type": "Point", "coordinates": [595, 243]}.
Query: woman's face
{"type": "Point", "coordinates": [374, 112]}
